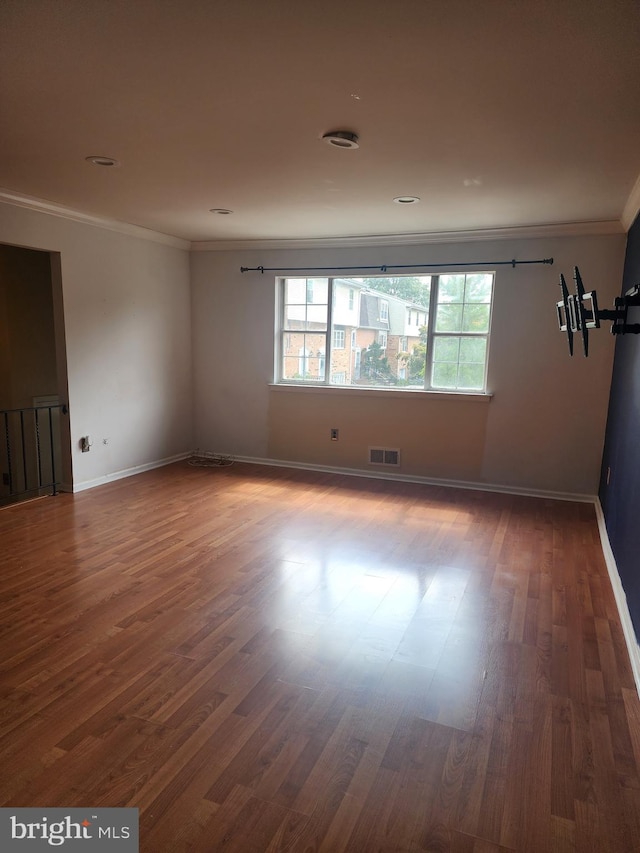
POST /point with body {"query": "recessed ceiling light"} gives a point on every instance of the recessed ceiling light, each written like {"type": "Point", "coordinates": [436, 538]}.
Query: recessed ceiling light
{"type": "Point", "coordinates": [407, 199]}
{"type": "Point", "coordinates": [341, 139]}
{"type": "Point", "coordinates": [102, 161]}
{"type": "Point", "coordinates": [221, 210]}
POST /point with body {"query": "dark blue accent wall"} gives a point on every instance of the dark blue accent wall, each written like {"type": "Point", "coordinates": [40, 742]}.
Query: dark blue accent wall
{"type": "Point", "coordinates": [621, 498]}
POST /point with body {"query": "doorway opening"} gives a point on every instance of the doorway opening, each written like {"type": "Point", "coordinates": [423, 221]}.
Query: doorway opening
{"type": "Point", "coordinates": [35, 444]}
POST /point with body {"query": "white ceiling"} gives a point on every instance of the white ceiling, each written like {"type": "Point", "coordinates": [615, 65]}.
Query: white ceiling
{"type": "Point", "coordinates": [496, 113]}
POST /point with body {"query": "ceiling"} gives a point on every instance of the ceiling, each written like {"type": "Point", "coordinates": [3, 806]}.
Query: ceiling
{"type": "Point", "coordinates": [496, 114]}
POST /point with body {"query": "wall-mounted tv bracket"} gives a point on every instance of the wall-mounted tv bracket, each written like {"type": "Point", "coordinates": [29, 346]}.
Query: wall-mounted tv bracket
{"type": "Point", "coordinates": [579, 312]}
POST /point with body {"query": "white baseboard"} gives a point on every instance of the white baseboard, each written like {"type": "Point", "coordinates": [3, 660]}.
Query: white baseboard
{"type": "Point", "coordinates": [128, 472]}
{"type": "Point", "coordinates": [621, 599]}
{"type": "Point", "coordinates": [412, 478]}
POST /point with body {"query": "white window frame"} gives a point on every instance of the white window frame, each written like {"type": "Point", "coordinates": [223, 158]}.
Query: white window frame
{"type": "Point", "coordinates": [339, 339]}
{"type": "Point", "coordinates": [432, 335]}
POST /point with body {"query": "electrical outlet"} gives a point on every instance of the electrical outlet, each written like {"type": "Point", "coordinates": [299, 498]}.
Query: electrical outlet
{"type": "Point", "coordinates": [85, 444]}
{"type": "Point", "coordinates": [334, 435]}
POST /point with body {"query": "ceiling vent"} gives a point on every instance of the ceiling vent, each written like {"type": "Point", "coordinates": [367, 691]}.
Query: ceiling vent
{"type": "Point", "coordinates": [341, 139]}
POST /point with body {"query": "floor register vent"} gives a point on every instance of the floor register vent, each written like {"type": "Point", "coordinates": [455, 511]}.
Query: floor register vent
{"type": "Point", "coordinates": [384, 456]}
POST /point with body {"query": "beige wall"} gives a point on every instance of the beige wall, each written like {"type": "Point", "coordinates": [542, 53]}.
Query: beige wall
{"type": "Point", "coordinates": [542, 430]}
{"type": "Point", "coordinates": [442, 438]}
{"type": "Point", "coordinates": [127, 325]}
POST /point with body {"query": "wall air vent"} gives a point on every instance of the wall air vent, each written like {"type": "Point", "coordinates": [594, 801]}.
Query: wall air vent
{"type": "Point", "coordinates": [384, 456]}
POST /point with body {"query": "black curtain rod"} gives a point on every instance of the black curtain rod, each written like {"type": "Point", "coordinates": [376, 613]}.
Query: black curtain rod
{"type": "Point", "coordinates": [384, 267]}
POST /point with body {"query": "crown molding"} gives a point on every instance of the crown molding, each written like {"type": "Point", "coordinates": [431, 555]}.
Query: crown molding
{"type": "Point", "coordinates": [62, 212]}
{"type": "Point", "coordinates": [632, 206]}
{"type": "Point", "coordinates": [525, 232]}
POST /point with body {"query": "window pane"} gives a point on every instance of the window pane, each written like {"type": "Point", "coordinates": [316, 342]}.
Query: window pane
{"type": "Point", "coordinates": [475, 318]}
{"type": "Point", "coordinates": [303, 357]}
{"type": "Point", "coordinates": [449, 318]}
{"type": "Point", "coordinates": [305, 317]}
{"type": "Point", "coordinates": [471, 376]}
{"type": "Point", "coordinates": [305, 304]}
{"type": "Point", "coordinates": [478, 288]}
{"type": "Point", "coordinates": [473, 350]}
{"type": "Point", "coordinates": [374, 320]}
{"type": "Point", "coordinates": [446, 349]}
{"type": "Point", "coordinates": [318, 289]}
{"type": "Point", "coordinates": [295, 291]}
{"type": "Point", "coordinates": [444, 375]}
{"type": "Point", "coordinates": [375, 368]}
{"type": "Point", "coordinates": [451, 288]}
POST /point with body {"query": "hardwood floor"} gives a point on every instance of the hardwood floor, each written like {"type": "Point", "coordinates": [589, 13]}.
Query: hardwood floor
{"type": "Point", "coordinates": [273, 660]}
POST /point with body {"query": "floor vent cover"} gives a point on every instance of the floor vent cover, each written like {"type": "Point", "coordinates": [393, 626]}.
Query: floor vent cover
{"type": "Point", "coordinates": [384, 456]}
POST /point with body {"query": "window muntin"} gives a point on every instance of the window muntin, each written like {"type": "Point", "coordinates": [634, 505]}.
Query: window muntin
{"type": "Point", "coordinates": [434, 334]}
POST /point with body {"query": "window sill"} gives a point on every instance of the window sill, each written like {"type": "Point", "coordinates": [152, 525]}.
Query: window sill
{"type": "Point", "coordinates": [360, 391]}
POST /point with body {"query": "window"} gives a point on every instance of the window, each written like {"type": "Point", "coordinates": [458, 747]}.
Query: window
{"type": "Point", "coordinates": [304, 328]}
{"type": "Point", "coordinates": [460, 331]}
{"type": "Point", "coordinates": [436, 331]}
{"type": "Point", "coordinates": [352, 297]}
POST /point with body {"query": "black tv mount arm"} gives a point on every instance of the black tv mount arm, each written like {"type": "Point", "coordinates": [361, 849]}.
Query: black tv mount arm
{"type": "Point", "coordinates": [579, 312]}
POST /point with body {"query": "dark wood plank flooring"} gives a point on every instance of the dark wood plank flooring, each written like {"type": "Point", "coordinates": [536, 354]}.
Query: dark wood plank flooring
{"type": "Point", "coordinates": [270, 660]}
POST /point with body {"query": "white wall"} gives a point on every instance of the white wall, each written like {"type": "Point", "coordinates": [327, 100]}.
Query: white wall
{"type": "Point", "coordinates": [543, 429]}
{"type": "Point", "coordinates": [128, 340]}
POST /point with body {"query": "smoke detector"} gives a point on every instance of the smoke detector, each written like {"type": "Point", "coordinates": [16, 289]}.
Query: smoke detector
{"type": "Point", "coordinates": [341, 139]}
